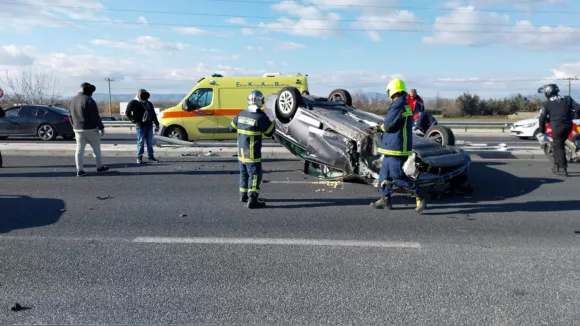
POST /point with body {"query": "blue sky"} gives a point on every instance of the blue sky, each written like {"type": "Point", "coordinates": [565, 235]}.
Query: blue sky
{"type": "Point", "coordinates": [440, 47]}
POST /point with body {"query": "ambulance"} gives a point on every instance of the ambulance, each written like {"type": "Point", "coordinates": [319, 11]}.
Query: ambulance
{"type": "Point", "coordinates": [207, 110]}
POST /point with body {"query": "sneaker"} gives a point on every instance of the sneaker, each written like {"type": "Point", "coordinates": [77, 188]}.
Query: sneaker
{"type": "Point", "coordinates": [139, 161]}
{"type": "Point", "coordinates": [244, 198]}
{"type": "Point", "coordinates": [421, 204]}
{"type": "Point", "coordinates": [153, 159]}
{"type": "Point", "coordinates": [81, 173]}
{"type": "Point", "coordinates": [103, 169]}
{"type": "Point", "coordinates": [383, 202]}
{"type": "Point", "coordinates": [254, 202]}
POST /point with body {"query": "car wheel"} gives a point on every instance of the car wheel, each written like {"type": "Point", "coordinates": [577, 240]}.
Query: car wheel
{"type": "Point", "coordinates": [289, 99]}
{"type": "Point", "coordinates": [176, 132]}
{"type": "Point", "coordinates": [340, 95]}
{"type": "Point", "coordinates": [441, 134]}
{"type": "Point", "coordinates": [46, 132]}
{"type": "Point", "coordinates": [536, 132]}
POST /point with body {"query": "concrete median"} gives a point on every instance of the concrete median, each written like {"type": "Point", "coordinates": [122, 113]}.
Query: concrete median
{"type": "Point", "coordinates": [129, 150]}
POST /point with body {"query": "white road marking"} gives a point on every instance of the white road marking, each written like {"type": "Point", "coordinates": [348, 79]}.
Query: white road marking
{"type": "Point", "coordinates": [223, 241]}
{"type": "Point", "coordinates": [280, 241]}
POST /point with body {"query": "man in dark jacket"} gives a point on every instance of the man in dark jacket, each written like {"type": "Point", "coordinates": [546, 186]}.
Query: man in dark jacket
{"type": "Point", "coordinates": [141, 112]}
{"type": "Point", "coordinates": [559, 112]}
{"type": "Point", "coordinates": [396, 146]}
{"type": "Point", "coordinates": [251, 124]}
{"type": "Point", "coordinates": [86, 122]}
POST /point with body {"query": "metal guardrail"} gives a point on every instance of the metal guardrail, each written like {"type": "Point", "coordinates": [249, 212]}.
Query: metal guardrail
{"type": "Point", "coordinates": [466, 125]}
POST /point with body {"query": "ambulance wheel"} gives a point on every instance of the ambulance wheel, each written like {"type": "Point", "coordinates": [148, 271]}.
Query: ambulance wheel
{"type": "Point", "coordinates": [176, 132]}
{"type": "Point", "coordinates": [441, 134]}
{"type": "Point", "coordinates": [340, 95]}
{"type": "Point", "coordinates": [289, 99]}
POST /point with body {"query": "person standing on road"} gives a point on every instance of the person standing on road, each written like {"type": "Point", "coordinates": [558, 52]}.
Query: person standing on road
{"type": "Point", "coordinates": [415, 101]}
{"type": "Point", "coordinates": [86, 122]}
{"type": "Point", "coordinates": [559, 112]}
{"type": "Point", "coordinates": [141, 112]}
{"type": "Point", "coordinates": [251, 124]}
{"type": "Point", "coordinates": [396, 146]}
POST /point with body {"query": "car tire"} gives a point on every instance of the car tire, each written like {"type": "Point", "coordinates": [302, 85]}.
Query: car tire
{"type": "Point", "coordinates": [46, 132]}
{"type": "Point", "coordinates": [176, 132]}
{"type": "Point", "coordinates": [289, 99]}
{"type": "Point", "coordinates": [441, 134]}
{"type": "Point", "coordinates": [343, 94]}
{"type": "Point", "coordinates": [536, 132]}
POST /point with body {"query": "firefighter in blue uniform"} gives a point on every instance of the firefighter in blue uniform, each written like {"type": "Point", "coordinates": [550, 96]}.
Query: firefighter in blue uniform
{"type": "Point", "coordinates": [250, 125]}
{"type": "Point", "coordinates": [396, 146]}
{"type": "Point", "coordinates": [423, 121]}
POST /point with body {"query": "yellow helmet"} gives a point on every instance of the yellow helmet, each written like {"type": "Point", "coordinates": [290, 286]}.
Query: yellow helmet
{"type": "Point", "coordinates": [395, 86]}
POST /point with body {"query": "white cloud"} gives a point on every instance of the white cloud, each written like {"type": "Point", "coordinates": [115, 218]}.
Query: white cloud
{"type": "Point", "coordinates": [514, 2]}
{"type": "Point", "coordinates": [143, 44]}
{"type": "Point", "coordinates": [248, 31]}
{"type": "Point", "coordinates": [270, 63]}
{"type": "Point", "coordinates": [196, 31]}
{"type": "Point", "coordinates": [142, 20]}
{"type": "Point", "coordinates": [399, 20]}
{"type": "Point", "coordinates": [308, 21]}
{"type": "Point", "coordinates": [254, 48]}
{"type": "Point", "coordinates": [236, 21]}
{"type": "Point", "coordinates": [289, 46]}
{"type": "Point", "coordinates": [18, 17]}
{"type": "Point", "coordinates": [567, 70]}
{"type": "Point", "coordinates": [12, 55]}
{"type": "Point", "coordinates": [466, 26]}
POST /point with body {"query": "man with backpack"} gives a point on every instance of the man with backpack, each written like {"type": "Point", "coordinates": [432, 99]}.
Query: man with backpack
{"type": "Point", "coordinates": [141, 112]}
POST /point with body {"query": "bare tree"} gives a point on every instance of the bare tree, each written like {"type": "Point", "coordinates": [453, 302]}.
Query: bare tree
{"type": "Point", "coordinates": [31, 85]}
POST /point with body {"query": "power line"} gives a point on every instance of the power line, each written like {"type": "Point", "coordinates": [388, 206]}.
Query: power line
{"type": "Point", "coordinates": [415, 8]}
{"type": "Point", "coordinates": [569, 79]}
{"type": "Point", "coordinates": [501, 31]}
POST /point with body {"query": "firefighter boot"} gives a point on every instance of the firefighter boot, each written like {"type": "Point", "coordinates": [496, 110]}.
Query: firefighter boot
{"type": "Point", "coordinates": [254, 202]}
{"type": "Point", "coordinates": [383, 202]}
{"type": "Point", "coordinates": [244, 197]}
{"type": "Point", "coordinates": [421, 204]}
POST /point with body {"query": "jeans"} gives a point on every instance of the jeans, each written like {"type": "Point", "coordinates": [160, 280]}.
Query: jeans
{"type": "Point", "coordinates": [392, 172]}
{"type": "Point", "coordinates": [144, 134]}
{"type": "Point", "coordinates": [250, 178]}
{"type": "Point", "coordinates": [91, 137]}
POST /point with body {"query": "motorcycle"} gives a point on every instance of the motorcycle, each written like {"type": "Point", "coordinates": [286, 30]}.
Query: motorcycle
{"type": "Point", "coordinates": [572, 145]}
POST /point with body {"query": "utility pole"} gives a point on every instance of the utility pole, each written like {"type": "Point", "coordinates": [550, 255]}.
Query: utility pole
{"type": "Point", "coordinates": [109, 80]}
{"type": "Point", "coordinates": [569, 79]}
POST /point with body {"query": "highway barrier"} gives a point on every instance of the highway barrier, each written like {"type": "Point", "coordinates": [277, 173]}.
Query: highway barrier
{"type": "Point", "coordinates": [455, 125]}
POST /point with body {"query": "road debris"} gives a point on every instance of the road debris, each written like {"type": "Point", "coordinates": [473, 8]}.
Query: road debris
{"type": "Point", "coordinates": [18, 307]}
{"type": "Point", "coordinates": [105, 197]}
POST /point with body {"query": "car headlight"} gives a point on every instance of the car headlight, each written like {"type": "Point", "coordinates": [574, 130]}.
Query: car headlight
{"type": "Point", "coordinates": [528, 125]}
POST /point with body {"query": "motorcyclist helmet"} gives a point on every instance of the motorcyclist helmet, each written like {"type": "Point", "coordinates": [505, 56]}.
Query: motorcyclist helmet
{"type": "Point", "coordinates": [549, 90]}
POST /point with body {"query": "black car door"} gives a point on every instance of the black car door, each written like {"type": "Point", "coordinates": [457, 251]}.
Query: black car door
{"type": "Point", "coordinates": [8, 124]}
{"type": "Point", "coordinates": [27, 120]}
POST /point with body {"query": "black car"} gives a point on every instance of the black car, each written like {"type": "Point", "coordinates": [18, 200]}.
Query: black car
{"type": "Point", "coordinates": [42, 121]}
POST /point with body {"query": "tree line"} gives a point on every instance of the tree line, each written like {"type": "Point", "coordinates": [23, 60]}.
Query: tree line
{"type": "Point", "coordinates": [36, 86]}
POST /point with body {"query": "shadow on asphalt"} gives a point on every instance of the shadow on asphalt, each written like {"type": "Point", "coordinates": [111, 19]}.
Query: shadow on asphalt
{"type": "Point", "coordinates": [492, 184]}
{"type": "Point", "coordinates": [23, 212]}
{"type": "Point", "coordinates": [120, 173]}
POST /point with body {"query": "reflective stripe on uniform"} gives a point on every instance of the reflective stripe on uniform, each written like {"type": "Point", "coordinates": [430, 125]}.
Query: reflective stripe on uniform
{"type": "Point", "coordinates": [243, 190]}
{"type": "Point", "coordinates": [248, 160]}
{"type": "Point", "coordinates": [233, 125]}
{"type": "Point", "coordinates": [252, 147]}
{"type": "Point", "coordinates": [389, 152]}
{"type": "Point", "coordinates": [269, 129]}
{"type": "Point", "coordinates": [254, 184]}
{"type": "Point", "coordinates": [249, 133]}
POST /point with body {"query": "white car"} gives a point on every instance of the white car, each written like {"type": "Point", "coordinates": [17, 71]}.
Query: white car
{"type": "Point", "coordinates": [529, 128]}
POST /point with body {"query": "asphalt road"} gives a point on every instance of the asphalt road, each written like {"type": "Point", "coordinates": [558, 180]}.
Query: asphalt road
{"type": "Point", "coordinates": [156, 251]}
{"type": "Point", "coordinates": [129, 138]}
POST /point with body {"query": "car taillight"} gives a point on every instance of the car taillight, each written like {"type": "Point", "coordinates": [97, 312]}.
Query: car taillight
{"type": "Point", "coordinates": [66, 118]}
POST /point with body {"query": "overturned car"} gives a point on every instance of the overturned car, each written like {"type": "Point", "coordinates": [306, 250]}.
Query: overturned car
{"type": "Point", "coordinates": [336, 140]}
